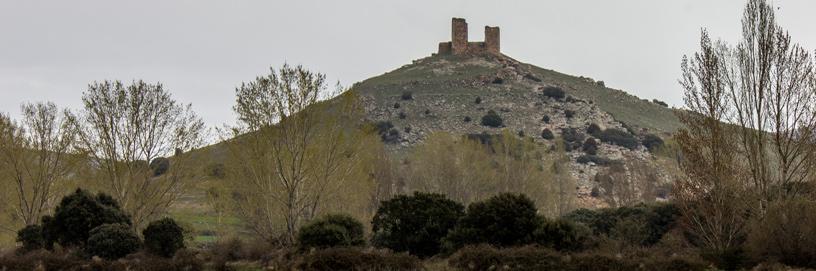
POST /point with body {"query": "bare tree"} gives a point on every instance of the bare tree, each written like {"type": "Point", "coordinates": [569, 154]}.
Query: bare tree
{"type": "Point", "coordinates": [37, 156]}
{"type": "Point", "coordinates": [124, 129]}
{"type": "Point", "coordinates": [770, 81]}
{"type": "Point", "coordinates": [709, 195]}
{"type": "Point", "coordinates": [293, 156]}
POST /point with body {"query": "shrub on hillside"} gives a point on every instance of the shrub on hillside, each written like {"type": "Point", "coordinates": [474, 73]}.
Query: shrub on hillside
{"type": "Point", "coordinates": [31, 238]}
{"type": "Point", "coordinates": [396, 105]}
{"type": "Point", "coordinates": [503, 220]}
{"type": "Point", "coordinates": [335, 230]}
{"type": "Point", "coordinates": [589, 158]}
{"type": "Point", "coordinates": [662, 103]}
{"type": "Point", "coordinates": [415, 223]}
{"type": "Point", "coordinates": [787, 233]}
{"type": "Point", "coordinates": [407, 96]}
{"type": "Point", "coordinates": [569, 113]}
{"type": "Point", "coordinates": [652, 142]}
{"type": "Point", "coordinates": [402, 115]}
{"type": "Point", "coordinates": [492, 119]}
{"type": "Point", "coordinates": [619, 137]}
{"type": "Point", "coordinates": [467, 119]}
{"type": "Point", "coordinates": [553, 92]}
{"type": "Point", "coordinates": [571, 135]}
{"type": "Point", "coordinates": [594, 130]}
{"type": "Point", "coordinates": [159, 166]}
{"type": "Point", "coordinates": [478, 100]}
{"type": "Point", "coordinates": [563, 235]}
{"type": "Point", "coordinates": [590, 146]}
{"type": "Point", "coordinates": [77, 214]}
{"type": "Point", "coordinates": [163, 237]}
{"type": "Point", "coordinates": [112, 241]}
{"type": "Point", "coordinates": [547, 134]}
{"type": "Point", "coordinates": [545, 119]}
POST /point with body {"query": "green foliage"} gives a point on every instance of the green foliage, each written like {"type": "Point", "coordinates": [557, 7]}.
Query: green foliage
{"type": "Point", "coordinates": [547, 134]}
{"type": "Point", "coordinates": [163, 237]}
{"type": "Point", "coordinates": [586, 159]}
{"type": "Point", "coordinates": [662, 103]}
{"type": "Point", "coordinates": [492, 119]}
{"type": "Point", "coordinates": [563, 235]}
{"type": "Point", "coordinates": [467, 119]}
{"type": "Point", "coordinates": [553, 92]}
{"type": "Point", "coordinates": [590, 146]}
{"type": "Point", "coordinates": [478, 100]}
{"type": "Point", "coordinates": [415, 223]}
{"type": "Point", "coordinates": [335, 230]}
{"type": "Point", "coordinates": [31, 238]}
{"type": "Point", "coordinates": [571, 135]}
{"type": "Point", "coordinates": [619, 137]}
{"type": "Point", "coordinates": [77, 214]}
{"type": "Point", "coordinates": [594, 130]}
{"type": "Point", "coordinates": [569, 113]}
{"type": "Point", "coordinates": [112, 241]}
{"type": "Point", "coordinates": [396, 105]}
{"type": "Point", "coordinates": [640, 225]}
{"type": "Point", "coordinates": [407, 96]}
{"type": "Point", "coordinates": [503, 220]}
{"type": "Point", "coordinates": [545, 119]}
{"type": "Point", "coordinates": [160, 166]}
{"type": "Point", "coordinates": [652, 142]}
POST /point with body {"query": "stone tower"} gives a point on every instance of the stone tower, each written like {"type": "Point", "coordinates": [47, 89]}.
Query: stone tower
{"type": "Point", "coordinates": [492, 39]}
{"type": "Point", "coordinates": [459, 44]}
{"type": "Point", "coordinates": [459, 36]}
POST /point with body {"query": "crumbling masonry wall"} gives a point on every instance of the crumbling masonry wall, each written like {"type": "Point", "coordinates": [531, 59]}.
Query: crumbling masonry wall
{"type": "Point", "coordinates": [459, 44]}
{"type": "Point", "coordinates": [492, 39]}
{"type": "Point", "coordinates": [459, 36]}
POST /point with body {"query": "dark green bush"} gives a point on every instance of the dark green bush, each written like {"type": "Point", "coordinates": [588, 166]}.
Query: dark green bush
{"type": "Point", "coordinates": [545, 119]}
{"type": "Point", "coordinates": [619, 137]}
{"type": "Point", "coordinates": [492, 119]}
{"type": "Point", "coordinates": [77, 214]}
{"type": "Point", "coordinates": [563, 235]}
{"type": "Point", "coordinates": [547, 134]}
{"type": "Point", "coordinates": [31, 238]}
{"type": "Point", "coordinates": [571, 135]}
{"type": "Point", "coordinates": [593, 130]}
{"type": "Point", "coordinates": [415, 223]}
{"type": "Point", "coordinates": [112, 241]}
{"type": "Point", "coordinates": [503, 220]}
{"type": "Point", "coordinates": [159, 166]}
{"type": "Point", "coordinates": [335, 230]}
{"type": "Point", "coordinates": [402, 115]}
{"type": "Point", "coordinates": [590, 146]}
{"type": "Point", "coordinates": [569, 113]}
{"type": "Point", "coordinates": [478, 100]}
{"type": "Point", "coordinates": [396, 105]}
{"type": "Point", "coordinates": [163, 237]}
{"type": "Point", "coordinates": [586, 159]}
{"type": "Point", "coordinates": [467, 119]}
{"type": "Point", "coordinates": [355, 259]}
{"type": "Point", "coordinates": [407, 96]}
{"type": "Point", "coordinates": [662, 103]}
{"type": "Point", "coordinates": [553, 92]}
{"type": "Point", "coordinates": [643, 224]}
{"type": "Point", "coordinates": [652, 142]}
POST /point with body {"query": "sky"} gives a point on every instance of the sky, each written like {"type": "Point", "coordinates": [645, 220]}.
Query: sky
{"type": "Point", "coordinates": [201, 50]}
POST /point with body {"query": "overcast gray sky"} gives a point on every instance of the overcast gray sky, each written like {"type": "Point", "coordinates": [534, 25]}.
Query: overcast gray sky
{"type": "Point", "coordinates": [201, 50]}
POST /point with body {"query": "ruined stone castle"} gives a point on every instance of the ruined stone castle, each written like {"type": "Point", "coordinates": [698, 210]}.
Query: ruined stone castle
{"type": "Point", "coordinates": [460, 45]}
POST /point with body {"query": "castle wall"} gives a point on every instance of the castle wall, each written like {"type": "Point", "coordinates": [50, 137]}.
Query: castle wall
{"type": "Point", "coordinates": [459, 44]}
{"type": "Point", "coordinates": [459, 36]}
{"type": "Point", "coordinates": [444, 48]}
{"type": "Point", "coordinates": [492, 39]}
